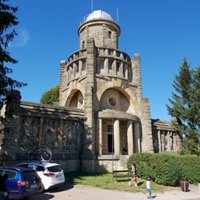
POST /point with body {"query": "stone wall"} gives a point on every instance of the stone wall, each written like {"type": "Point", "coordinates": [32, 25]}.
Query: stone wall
{"type": "Point", "coordinates": [36, 125]}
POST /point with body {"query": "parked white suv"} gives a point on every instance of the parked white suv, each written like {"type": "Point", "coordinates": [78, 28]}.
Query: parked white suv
{"type": "Point", "coordinates": [52, 174]}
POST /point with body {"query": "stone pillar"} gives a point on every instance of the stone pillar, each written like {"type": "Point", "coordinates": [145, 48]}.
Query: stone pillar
{"type": "Point", "coordinates": [137, 137]}
{"type": "Point", "coordinates": [80, 65]}
{"type": "Point", "coordinates": [136, 79]}
{"type": "Point", "coordinates": [116, 137]}
{"type": "Point", "coordinates": [168, 141]}
{"type": "Point", "coordinates": [130, 137]}
{"type": "Point", "coordinates": [100, 137]}
{"type": "Point", "coordinates": [90, 139]}
{"type": "Point", "coordinates": [74, 70]}
{"type": "Point", "coordinates": [40, 133]}
{"type": "Point", "coordinates": [126, 71]}
{"type": "Point", "coordinates": [159, 140]}
{"type": "Point", "coordinates": [106, 66]}
{"type": "Point", "coordinates": [114, 70]}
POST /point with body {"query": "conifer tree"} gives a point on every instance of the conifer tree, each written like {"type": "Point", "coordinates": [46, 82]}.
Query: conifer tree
{"type": "Point", "coordinates": [7, 33]}
{"type": "Point", "coordinates": [185, 106]}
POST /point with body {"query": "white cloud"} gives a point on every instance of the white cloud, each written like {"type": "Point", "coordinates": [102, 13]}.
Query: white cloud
{"type": "Point", "coordinates": [21, 39]}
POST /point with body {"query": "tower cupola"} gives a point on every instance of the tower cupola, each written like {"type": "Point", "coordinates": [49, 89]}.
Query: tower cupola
{"type": "Point", "coordinates": [100, 26]}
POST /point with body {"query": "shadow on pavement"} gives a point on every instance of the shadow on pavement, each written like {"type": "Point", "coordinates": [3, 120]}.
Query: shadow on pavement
{"type": "Point", "coordinates": [49, 193]}
{"type": "Point", "coordinates": [41, 196]}
{"type": "Point", "coordinates": [61, 188]}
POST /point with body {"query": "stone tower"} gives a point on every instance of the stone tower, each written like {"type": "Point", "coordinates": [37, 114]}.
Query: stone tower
{"type": "Point", "coordinates": [106, 83]}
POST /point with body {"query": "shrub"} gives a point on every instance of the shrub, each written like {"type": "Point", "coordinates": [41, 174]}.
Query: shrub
{"type": "Point", "coordinates": [167, 169]}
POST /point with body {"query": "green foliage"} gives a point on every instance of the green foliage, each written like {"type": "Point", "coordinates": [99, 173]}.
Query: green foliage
{"type": "Point", "coordinates": [8, 20]}
{"type": "Point", "coordinates": [50, 96]}
{"type": "Point", "coordinates": [167, 169]}
{"type": "Point", "coordinates": [106, 181]}
{"type": "Point", "coordinates": [185, 107]}
{"type": "Point", "coordinates": [190, 168]}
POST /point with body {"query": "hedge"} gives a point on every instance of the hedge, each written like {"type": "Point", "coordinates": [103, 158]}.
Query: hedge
{"type": "Point", "coordinates": [167, 169]}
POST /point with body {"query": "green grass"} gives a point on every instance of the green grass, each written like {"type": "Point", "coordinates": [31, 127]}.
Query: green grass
{"type": "Point", "coordinates": [106, 181]}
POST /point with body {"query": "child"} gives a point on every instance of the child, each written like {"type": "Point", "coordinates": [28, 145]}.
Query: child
{"type": "Point", "coordinates": [148, 185]}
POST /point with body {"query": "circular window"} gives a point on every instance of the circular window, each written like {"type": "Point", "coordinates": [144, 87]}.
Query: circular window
{"type": "Point", "coordinates": [112, 101]}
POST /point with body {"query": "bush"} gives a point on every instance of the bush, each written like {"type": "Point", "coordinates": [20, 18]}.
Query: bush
{"type": "Point", "coordinates": [167, 169]}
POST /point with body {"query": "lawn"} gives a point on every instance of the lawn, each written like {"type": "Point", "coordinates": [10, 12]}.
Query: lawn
{"type": "Point", "coordinates": [106, 181]}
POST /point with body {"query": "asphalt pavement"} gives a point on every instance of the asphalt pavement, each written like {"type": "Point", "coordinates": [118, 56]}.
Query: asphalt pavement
{"type": "Point", "coordinates": [80, 192]}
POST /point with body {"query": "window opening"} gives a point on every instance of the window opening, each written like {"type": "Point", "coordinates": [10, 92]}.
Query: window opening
{"type": "Point", "coordinates": [112, 101]}
{"type": "Point", "coordinates": [83, 45]}
{"type": "Point", "coordinates": [124, 70]}
{"type": "Point", "coordinates": [118, 66]}
{"type": "Point", "coordinates": [109, 34]}
{"type": "Point", "coordinates": [109, 52]}
{"type": "Point", "coordinates": [110, 65]}
{"type": "Point", "coordinates": [77, 67]}
{"type": "Point", "coordinates": [110, 139]}
{"type": "Point", "coordinates": [84, 66]}
{"type": "Point", "coordinates": [101, 64]}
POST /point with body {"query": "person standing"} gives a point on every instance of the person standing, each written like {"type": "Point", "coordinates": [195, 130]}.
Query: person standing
{"type": "Point", "coordinates": [134, 173]}
{"type": "Point", "coordinates": [148, 186]}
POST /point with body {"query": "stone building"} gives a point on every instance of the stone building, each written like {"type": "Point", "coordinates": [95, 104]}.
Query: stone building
{"type": "Point", "coordinates": [101, 117]}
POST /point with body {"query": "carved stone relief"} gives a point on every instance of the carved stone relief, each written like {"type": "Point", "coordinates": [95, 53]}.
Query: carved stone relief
{"type": "Point", "coordinates": [69, 137]}
{"type": "Point", "coordinates": [49, 133]}
{"type": "Point", "coordinates": [28, 132]}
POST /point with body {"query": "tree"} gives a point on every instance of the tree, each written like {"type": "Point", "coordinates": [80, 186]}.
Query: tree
{"type": "Point", "coordinates": [185, 106]}
{"type": "Point", "coordinates": [7, 21]}
{"type": "Point", "coordinates": [51, 96]}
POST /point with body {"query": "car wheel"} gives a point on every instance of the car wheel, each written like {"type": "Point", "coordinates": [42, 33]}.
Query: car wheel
{"type": "Point", "coordinates": [3, 195]}
{"type": "Point", "coordinates": [42, 186]}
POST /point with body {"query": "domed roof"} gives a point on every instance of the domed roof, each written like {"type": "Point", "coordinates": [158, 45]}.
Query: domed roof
{"type": "Point", "coordinates": [99, 14]}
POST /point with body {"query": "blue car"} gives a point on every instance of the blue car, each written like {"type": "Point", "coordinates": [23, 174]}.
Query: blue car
{"type": "Point", "coordinates": [19, 183]}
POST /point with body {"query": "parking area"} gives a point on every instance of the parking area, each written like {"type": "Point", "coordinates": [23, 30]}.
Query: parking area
{"type": "Point", "coordinates": [80, 192]}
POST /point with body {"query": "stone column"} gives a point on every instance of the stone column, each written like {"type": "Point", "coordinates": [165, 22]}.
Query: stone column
{"type": "Point", "coordinates": [74, 70]}
{"type": "Point", "coordinates": [126, 71]}
{"type": "Point", "coordinates": [130, 137]}
{"type": "Point", "coordinates": [100, 137]}
{"type": "Point", "coordinates": [80, 65]}
{"type": "Point", "coordinates": [168, 141]}
{"type": "Point", "coordinates": [137, 137]}
{"type": "Point", "coordinates": [116, 137]}
{"type": "Point", "coordinates": [114, 71]}
{"type": "Point", "coordinates": [106, 66]}
{"type": "Point", "coordinates": [159, 140]}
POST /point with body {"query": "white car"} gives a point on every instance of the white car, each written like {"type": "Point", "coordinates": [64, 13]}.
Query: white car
{"type": "Point", "coordinates": [52, 174]}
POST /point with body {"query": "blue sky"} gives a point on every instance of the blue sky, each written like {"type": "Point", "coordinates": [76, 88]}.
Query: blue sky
{"type": "Point", "coordinates": [163, 32]}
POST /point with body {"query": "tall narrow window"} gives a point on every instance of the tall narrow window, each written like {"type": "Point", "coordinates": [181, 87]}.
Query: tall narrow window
{"type": "Point", "coordinates": [110, 128]}
{"type": "Point", "coordinates": [118, 54]}
{"type": "Point", "coordinates": [83, 45]}
{"type": "Point", "coordinates": [109, 52]}
{"type": "Point", "coordinates": [101, 64]}
{"type": "Point", "coordinates": [110, 139]}
{"type": "Point", "coordinates": [124, 70]}
{"type": "Point", "coordinates": [84, 66]}
{"type": "Point", "coordinates": [117, 66]}
{"type": "Point", "coordinates": [77, 67]}
{"type": "Point", "coordinates": [109, 34]}
{"type": "Point", "coordinates": [110, 65]}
